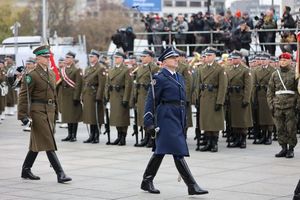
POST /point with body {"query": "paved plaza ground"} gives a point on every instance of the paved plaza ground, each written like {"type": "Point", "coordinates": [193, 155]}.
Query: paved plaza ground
{"type": "Point", "coordinates": [112, 172]}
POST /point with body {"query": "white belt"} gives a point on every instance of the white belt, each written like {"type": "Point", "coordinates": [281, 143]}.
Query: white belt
{"type": "Point", "coordinates": [279, 92]}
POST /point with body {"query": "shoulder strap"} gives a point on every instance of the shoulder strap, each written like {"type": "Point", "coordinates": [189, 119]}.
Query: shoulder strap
{"type": "Point", "coordinates": [281, 79]}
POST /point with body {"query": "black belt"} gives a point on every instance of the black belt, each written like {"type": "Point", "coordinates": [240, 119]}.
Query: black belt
{"type": "Point", "coordinates": [139, 85]}
{"type": "Point", "coordinates": [174, 102]}
{"type": "Point", "coordinates": [209, 87]}
{"type": "Point", "coordinates": [116, 87]}
{"type": "Point", "coordinates": [236, 88]}
{"type": "Point", "coordinates": [261, 87]}
{"type": "Point", "coordinates": [49, 101]}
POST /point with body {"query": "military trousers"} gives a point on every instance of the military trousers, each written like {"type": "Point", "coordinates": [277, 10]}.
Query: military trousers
{"type": "Point", "coordinates": [286, 126]}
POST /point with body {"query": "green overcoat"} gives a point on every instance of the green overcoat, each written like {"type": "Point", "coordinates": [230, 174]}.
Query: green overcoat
{"type": "Point", "coordinates": [240, 77]}
{"type": "Point", "coordinates": [119, 85]}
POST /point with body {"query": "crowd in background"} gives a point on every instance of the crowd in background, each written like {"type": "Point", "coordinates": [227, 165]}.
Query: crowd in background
{"type": "Point", "coordinates": [231, 31]}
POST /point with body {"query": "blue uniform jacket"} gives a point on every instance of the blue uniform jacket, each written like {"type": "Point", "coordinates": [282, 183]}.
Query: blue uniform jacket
{"type": "Point", "coordinates": [170, 118]}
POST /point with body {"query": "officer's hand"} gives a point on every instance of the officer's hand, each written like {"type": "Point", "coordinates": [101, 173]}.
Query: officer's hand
{"type": "Point", "coordinates": [76, 102]}
{"type": "Point", "coordinates": [197, 103]}
{"type": "Point", "coordinates": [105, 101]}
{"type": "Point", "coordinates": [245, 104]}
{"type": "Point", "coordinates": [150, 131]}
{"type": "Point", "coordinates": [218, 107]}
{"type": "Point", "coordinates": [125, 104]}
{"type": "Point", "coordinates": [25, 121]}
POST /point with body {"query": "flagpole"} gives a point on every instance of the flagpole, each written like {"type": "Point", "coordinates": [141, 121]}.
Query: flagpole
{"type": "Point", "coordinates": [44, 28]}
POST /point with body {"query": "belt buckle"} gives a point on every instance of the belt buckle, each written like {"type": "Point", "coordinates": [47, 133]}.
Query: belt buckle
{"type": "Point", "coordinates": [50, 101]}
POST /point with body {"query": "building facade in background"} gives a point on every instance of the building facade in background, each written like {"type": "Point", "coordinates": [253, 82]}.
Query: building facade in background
{"type": "Point", "coordinates": [253, 7]}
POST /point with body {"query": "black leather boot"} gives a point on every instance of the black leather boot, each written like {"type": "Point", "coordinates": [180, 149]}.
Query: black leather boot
{"type": "Point", "coordinates": [297, 192]}
{"type": "Point", "coordinates": [214, 143]}
{"type": "Point", "coordinates": [116, 142]}
{"type": "Point", "coordinates": [150, 143]}
{"type": "Point", "coordinates": [61, 176]}
{"type": "Point", "coordinates": [123, 139]}
{"type": "Point", "coordinates": [92, 135]}
{"type": "Point", "coordinates": [97, 134]}
{"type": "Point", "coordinates": [185, 173]}
{"type": "Point", "coordinates": [283, 151]}
{"type": "Point", "coordinates": [290, 152]}
{"type": "Point", "coordinates": [150, 172]}
{"type": "Point", "coordinates": [236, 141]}
{"type": "Point", "coordinates": [144, 142]}
{"type": "Point", "coordinates": [26, 168]}
{"type": "Point", "coordinates": [207, 147]}
{"type": "Point", "coordinates": [70, 127]}
{"type": "Point", "coordinates": [74, 132]}
{"type": "Point", "coordinates": [243, 144]}
{"type": "Point", "coordinates": [269, 138]}
{"type": "Point", "coordinates": [263, 138]}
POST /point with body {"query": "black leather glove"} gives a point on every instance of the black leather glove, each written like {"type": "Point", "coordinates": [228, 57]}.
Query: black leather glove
{"type": "Point", "coordinates": [151, 132]}
{"type": "Point", "coordinates": [76, 102]}
{"type": "Point", "coordinates": [245, 104]}
{"type": "Point", "coordinates": [25, 121]}
{"type": "Point", "coordinates": [218, 107]}
{"type": "Point", "coordinates": [197, 104]}
{"type": "Point", "coordinates": [105, 101]}
{"type": "Point", "coordinates": [125, 104]}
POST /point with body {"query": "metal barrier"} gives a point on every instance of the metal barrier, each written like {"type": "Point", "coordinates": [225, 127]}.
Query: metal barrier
{"type": "Point", "coordinates": [254, 33]}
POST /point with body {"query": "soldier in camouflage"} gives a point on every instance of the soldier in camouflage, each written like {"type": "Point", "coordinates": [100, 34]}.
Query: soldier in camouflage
{"type": "Point", "coordinates": [283, 101]}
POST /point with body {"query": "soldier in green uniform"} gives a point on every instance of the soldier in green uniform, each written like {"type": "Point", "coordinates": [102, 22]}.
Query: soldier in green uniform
{"type": "Point", "coordinates": [142, 84]}
{"type": "Point", "coordinates": [61, 64]}
{"type": "Point", "coordinates": [212, 90]}
{"type": "Point", "coordinates": [119, 85]}
{"type": "Point", "coordinates": [11, 97]}
{"type": "Point", "coordinates": [70, 90]}
{"type": "Point", "coordinates": [93, 88]}
{"type": "Point", "coordinates": [184, 69]}
{"type": "Point", "coordinates": [29, 66]}
{"type": "Point", "coordinates": [3, 88]}
{"type": "Point", "coordinates": [261, 77]}
{"type": "Point", "coordinates": [239, 91]}
{"type": "Point", "coordinates": [37, 102]}
{"type": "Point", "coordinates": [283, 101]}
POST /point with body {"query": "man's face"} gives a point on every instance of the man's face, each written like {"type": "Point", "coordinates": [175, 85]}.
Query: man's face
{"type": "Point", "coordinates": [43, 60]}
{"type": "Point", "coordinates": [284, 62]}
{"type": "Point", "coordinates": [8, 61]}
{"type": "Point", "coordinates": [69, 60]}
{"type": "Point", "coordinates": [93, 59]}
{"type": "Point", "coordinates": [146, 59]}
{"type": "Point", "coordinates": [118, 60]}
{"type": "Point", "coordinates": [29, 65]}
{"type": "Point", "coordinates": [61, 64]}
{"type": "Point", "coordinates": [236, 61]}
{"type": "Point", "coordinates": [209, 58]}
{"type": "Point", "coordinates": [171, 62]}
{"type": "Point", "coordinates": [265, 62]}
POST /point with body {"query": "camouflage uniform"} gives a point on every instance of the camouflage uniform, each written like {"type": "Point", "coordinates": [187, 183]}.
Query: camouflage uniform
{"type": "Point", "coordinates": [283, 106]}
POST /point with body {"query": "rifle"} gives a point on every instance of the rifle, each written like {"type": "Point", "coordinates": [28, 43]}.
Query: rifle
{"type": "Point", "coordinates": [107, 126]}
{"type": "Point", "coordinates": [135, 128]}
{"type": "Point", "coordinates": [197, 129]}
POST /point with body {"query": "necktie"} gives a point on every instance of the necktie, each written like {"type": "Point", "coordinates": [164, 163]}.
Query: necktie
{"type": "Point", "coordinates": [175, 76]}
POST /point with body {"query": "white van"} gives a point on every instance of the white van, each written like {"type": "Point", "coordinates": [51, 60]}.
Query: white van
{"type": "Point", "coordinates": [23, 46]}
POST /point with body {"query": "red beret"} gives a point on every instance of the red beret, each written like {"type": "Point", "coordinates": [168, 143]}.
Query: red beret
{"type": "Point", "coordinates": [285, 56]}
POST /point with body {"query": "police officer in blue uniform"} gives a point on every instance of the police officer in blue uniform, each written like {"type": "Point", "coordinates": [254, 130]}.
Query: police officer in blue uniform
{"type": "Point", "coordinates": [165, 119]}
